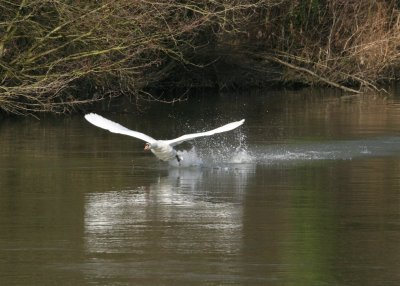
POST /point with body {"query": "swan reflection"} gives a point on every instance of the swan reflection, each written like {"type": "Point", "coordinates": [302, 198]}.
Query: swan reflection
{"type": "Point", "coordinates": [182, 209]}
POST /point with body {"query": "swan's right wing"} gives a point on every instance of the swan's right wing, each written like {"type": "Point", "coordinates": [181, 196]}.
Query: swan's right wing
{"type": "Point", "coordinates": [114, 127]}
{"type": "Point", "coordinates": [225, 128]}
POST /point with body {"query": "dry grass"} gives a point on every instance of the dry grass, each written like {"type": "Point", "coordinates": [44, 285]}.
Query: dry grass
{"type": "Point", "coordinates": [353, 43]}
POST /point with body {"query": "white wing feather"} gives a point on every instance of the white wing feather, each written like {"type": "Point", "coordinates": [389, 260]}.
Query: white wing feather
{"type": "Point", "coordinates": [113, 127]}
{"type": "Point", "coordinates": [227, 127]}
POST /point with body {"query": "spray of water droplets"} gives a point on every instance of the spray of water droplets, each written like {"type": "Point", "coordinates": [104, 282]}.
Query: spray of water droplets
{"type": "Point", "coordinates": [229, 148]}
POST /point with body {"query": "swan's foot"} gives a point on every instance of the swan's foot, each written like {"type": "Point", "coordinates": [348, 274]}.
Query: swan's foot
{"type": "Point", "coordinates": [179, 159]}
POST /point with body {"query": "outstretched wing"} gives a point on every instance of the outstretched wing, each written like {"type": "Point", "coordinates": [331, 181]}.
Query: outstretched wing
{"type": "Point", "coordinates": [227, 127]}
{"type": "Point", "coordinates": [114, 127]}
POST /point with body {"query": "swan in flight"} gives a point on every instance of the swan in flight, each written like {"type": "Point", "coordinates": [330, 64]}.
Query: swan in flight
{"type": "Point", "coordinates": [163, 149]}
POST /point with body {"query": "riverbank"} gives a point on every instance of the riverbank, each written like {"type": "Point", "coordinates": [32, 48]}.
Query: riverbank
{"type": "Point", "coordinates": [56, 56]}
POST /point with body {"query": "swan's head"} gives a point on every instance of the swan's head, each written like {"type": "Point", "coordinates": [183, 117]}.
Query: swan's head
{"type": "Point", "coordinates": [149, 146]}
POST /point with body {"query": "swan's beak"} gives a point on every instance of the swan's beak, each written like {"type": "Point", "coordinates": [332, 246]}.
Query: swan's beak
{"type": "Point", "coordinates": [147, 147]}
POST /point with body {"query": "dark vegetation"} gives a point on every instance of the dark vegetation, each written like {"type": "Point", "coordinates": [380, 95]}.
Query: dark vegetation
{"type": "Point", "coordinates": [55, 55]}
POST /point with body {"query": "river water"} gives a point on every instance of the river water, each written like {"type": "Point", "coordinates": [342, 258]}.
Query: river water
{"type": "Point", "coordinates": [306, 192]}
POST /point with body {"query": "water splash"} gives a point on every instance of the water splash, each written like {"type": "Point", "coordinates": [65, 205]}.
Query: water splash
{"type": "Point", "coordinates": [216, 151]}
{"type": "Point", "coordinates": [190, 158]}
{"type": "Point", "coordinates": [242, 156]}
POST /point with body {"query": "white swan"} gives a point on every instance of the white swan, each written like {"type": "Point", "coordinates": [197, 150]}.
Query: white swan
{"type": "Point", "coordinates": [163, 149]}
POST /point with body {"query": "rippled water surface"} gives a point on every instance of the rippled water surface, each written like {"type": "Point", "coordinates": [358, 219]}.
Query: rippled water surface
{"type": "Point", "coordinates": [306, 192]}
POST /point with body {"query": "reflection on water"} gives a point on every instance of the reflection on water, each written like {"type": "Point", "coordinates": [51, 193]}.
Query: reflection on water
{"type": "Point", "coordinates": [306, 193]}
{"type": "Point", "coordinates": [178, 219]}
{"type": "Point", "coordinates": [174, 201]}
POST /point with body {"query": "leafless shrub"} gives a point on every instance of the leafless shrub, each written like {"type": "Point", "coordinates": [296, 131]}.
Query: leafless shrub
{"type": "Point", "coordinates": [57, 54]}
{"type": "Point", "coordinates": [347, 44]}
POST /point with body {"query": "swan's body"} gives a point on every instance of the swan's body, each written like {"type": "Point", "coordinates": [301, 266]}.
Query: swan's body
{"type": "Point", "coordinates": [163, 149]}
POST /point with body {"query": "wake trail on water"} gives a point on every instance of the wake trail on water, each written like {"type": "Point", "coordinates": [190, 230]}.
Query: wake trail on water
{"type": "Point", "coordinates": [235, 152]}
{"type": "Point", "coordinates": [332, 150]}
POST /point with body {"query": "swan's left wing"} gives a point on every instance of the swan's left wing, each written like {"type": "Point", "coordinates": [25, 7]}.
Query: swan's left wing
{"type": "Point", "coordinates": [227, 127]}
{"type": "Point", "coordinates": [114, 127]}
